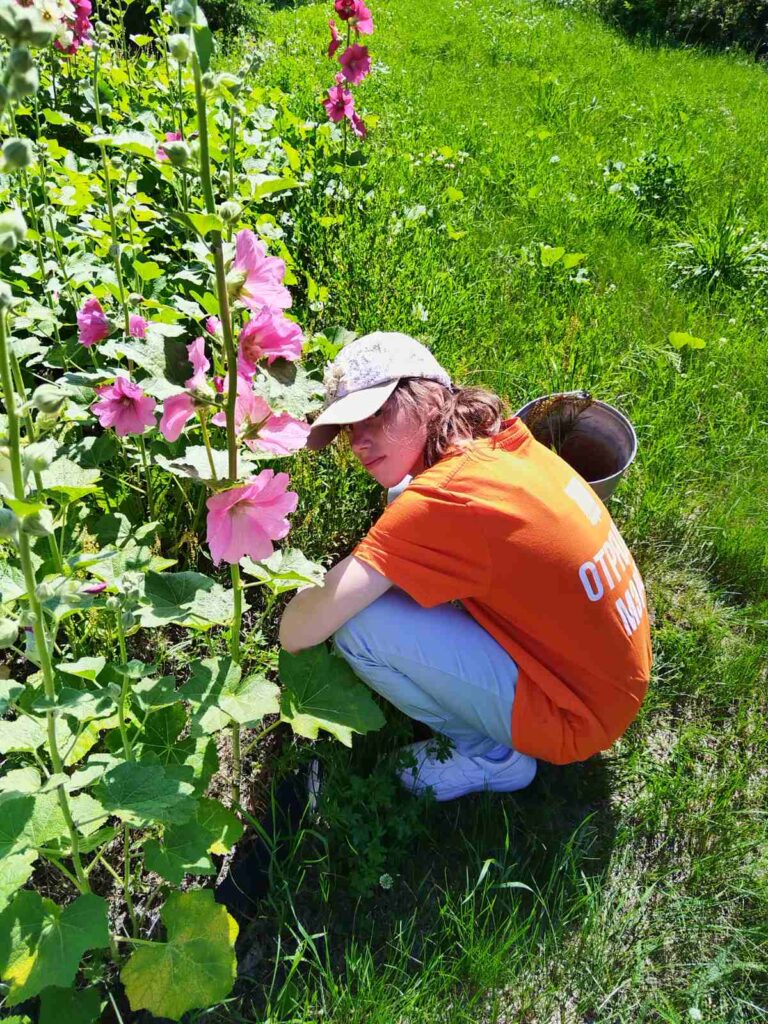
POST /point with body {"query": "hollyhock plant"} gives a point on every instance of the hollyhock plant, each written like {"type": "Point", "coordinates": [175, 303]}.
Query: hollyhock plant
{"type": "Point", "coordinates": [137, 326]}
{"type": "Point", "coordinates": [160, 153]}
{"type": "Point", "coordinates": [261, 429]}
{"type": "Point", "coordinates": [179, 409]}
{"type": "Point", "coordinates": [92, 323]}
{"type": "Point", "coordinates": [340, 102]}
{"type": "Point", "coordinates": [257, 279]}
{"type": "Point", "coordinates": [124, 406]}
{"type": "Point", "coordinates": [270, 335]}
{"type": "Point", "coordinates": [335, 42]}
{"type": "Point", "coordinates": [356, 63]}
{"type": "Point", "coordinates": [245, 520]}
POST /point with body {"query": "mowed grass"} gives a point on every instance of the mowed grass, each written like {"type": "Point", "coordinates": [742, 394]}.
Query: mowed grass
{"type": "Point", "coordinates": [633, 887]}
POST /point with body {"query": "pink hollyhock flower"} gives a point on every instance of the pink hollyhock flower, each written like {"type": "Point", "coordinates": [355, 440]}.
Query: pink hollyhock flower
{"type": "Point", "coordinates": [269, 334]}
{"type": "Point", "coordinates": [340, 102]}
{"type": "Point", "coordinates": [137, 326]}
{"type": "Point", "coordinates": [335, 42]}
{"type": "Point", "coordinates": [358, 127]}
{"type": "Point", "coordinates": [245, 520]}
{"type": "Point", "coordinates": [356, 63]}
{"type": "Point", "coordinates": [80, 27]}
{"type": "Point", "coordinates": [357, 14]}
{"type": "Point", "coordinates": [260, 428]}
{"type": "Point", "coordinates": [213, 325]}
{"type": "Point", "coordinates": [179, 409]}
{"type": "Point", "coordinates": [124, 406]}
{"type": "Point", "coordinates": [263, 284]}
{"type": "Point", "coordinates": [92, 323]}
{"type": "Point", "coordinates": [160, 153]}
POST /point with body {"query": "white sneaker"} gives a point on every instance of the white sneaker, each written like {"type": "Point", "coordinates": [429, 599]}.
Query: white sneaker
{"type": "Point", "coordinates": [460, 774]}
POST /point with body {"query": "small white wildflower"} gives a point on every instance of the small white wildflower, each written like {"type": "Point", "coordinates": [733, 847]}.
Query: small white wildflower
{"type": "Point", "coordinates": [555, 159]}
{"type": "Point", "coordinates": [386, 881]}
{"type": "Point", "coordinates": [419, 311]}
{"type": "Point", "coordinates": [695, 1013]}
{"type": "Point", "coordinates": [615, 187]}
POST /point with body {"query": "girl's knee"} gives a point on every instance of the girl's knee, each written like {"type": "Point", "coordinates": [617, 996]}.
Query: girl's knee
{"type": "Point", "coordinates": [359, 633]}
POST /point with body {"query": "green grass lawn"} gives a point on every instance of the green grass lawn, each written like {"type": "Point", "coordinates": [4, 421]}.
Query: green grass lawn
{"type": "Point", "coordinates": [633, 887]}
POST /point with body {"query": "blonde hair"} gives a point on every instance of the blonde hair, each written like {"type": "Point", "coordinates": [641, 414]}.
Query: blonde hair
{"type": "Point", "coordinates": [453, 415]}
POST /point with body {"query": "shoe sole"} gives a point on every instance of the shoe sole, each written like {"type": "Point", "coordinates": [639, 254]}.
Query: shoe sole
{"type": "Point", "coordinates": [492, 786]}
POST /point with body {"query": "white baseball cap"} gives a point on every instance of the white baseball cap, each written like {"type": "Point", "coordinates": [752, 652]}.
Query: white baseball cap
{"type": "Point", "coordinates": [363, 376]}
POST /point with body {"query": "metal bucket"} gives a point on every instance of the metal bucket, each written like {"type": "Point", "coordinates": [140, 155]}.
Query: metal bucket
{"type": "Point", "coordinates": [603, 446]}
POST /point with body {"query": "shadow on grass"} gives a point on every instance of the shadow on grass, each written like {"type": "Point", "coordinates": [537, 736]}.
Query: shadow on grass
{"type": "Point", "coordinates": [378, 889]}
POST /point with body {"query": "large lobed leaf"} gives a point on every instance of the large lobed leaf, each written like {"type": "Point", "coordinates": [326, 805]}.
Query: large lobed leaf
{"type": "Point", "coordinates": [42, 945]}
{"type": "Point", "coordinates": [320, 691]}
{"type": "Point", "coordinates": [195, 967]}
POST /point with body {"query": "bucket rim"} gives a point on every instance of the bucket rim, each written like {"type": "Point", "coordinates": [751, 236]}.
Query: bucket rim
{"type": "Point", "coordinates": [612, 410]}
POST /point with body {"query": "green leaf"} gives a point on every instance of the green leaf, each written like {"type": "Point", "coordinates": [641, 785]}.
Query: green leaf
{"type": "Point", "coordinates": [573, 259]}
{"type": "Point", "coordinates": [148, 353]}
{"type": "Point", "coordinates": [549, 255]}
{"type": "Point", "coordinates": [67, 478]}
{"type": "Point", "coordinates": [188, 598]}
{"type": "Point", "coordinates": [142, 793]}
{"type": "Point", "coordinates": [23, 734]}
{"type": "Point", "coordinates": [224, 826]}
{"type": "Point", "coordinates": [208, 679]}
{"type": "Point", "coordinates": [184, 850]}
{"type": "Point", "coordinates": [297, 393]}
{"type": "Point", "coordinates": [82, 705]}
{"type": "Point", "coordinates": [10, 690]}
{"type": "Point", "coordinates": [194, 463]}
{"type": "Point", "coordinates": [15, 870]}
{"type": "Point", "coordinates": [285, 570]}
{"type": "Point", "coordinates": [680, 339]}
{"type": "Point", "coordinates": [155, 693]}
{"type": "Point", "coordinates": [12, 583]}
{"type": "Point", "coordinates": [251, 700]}
{"type": "Point", "coordinates": [147, 271]}
{"type": "Point", "coordinates": [203, 223]}
{"type": "Point", "coordinates": [203, 45]}
{"type": "Point", "coordinates": [200, 949]}
{"type": "Point", "coordinates": [81, 1006]}
{"type": "Point", "coordinates": [30, 821]}
{"type": "Point", "coordinates": [454, 195]}
{"type": "Point", "coordinates": [42, 945]}
{"type": "Point", "coordinates": [83, 668]}
{"type": "Point", "coordinates": [140, 143]}
{"type": "Point", "coordinates": [268, 184]}
{"type": "Point", "coordinates": [320, 691]}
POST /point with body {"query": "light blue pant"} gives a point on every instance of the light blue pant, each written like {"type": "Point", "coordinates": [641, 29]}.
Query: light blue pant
{"type": "Point", "coordinates": [437, 665]}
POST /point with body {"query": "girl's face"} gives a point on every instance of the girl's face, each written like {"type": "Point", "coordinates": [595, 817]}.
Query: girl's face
{"type": "Point", "coordinates": [389, 444]}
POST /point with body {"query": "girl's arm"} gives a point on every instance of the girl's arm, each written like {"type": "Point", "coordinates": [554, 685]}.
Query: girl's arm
{"type": "Point", "coordinates": [316, 612]}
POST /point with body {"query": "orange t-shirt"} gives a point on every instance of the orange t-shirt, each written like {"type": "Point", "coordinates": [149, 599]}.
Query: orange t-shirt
{"type": "Point", "coordinates": [511, 530]}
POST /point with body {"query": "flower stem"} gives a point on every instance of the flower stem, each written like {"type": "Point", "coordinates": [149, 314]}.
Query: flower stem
{"type": "Point", "coordinates": [41, 640]}
{"type": "Point", "coordinates": [221, 273]}
{"type": "Point", "coordinates": [108, 189]}
{"type": "Point", "coordinates": [234, 648]}
{"type": "Point", "coordinates": [207, 443]}
{"type": "Point", "coordinates": [261, 735]}
{"type": "Point", "coordinates": [147, 476]}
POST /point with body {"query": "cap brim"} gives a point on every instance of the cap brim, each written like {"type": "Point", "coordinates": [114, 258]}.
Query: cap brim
{"type": "Point", "coordinates": [356, 406]}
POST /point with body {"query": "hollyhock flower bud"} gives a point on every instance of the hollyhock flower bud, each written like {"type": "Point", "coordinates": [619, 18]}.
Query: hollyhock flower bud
{"type": "Point", "coordinates": [9, 630]}
{"type": "Point", "coordinates": [230, 211]}
{"type": "Point", "coordinates": [18, 154]}
{"type": "Point", "coordinates": [213, 325]}
{"type": "Point", "coordinates": [36, 458]}
{"type": "Point", "coordinates": [94, 588]}
{"type": "Point", "coordinates": [38, 524]}
{"type": "Point", "coordinates": [177, 152]}
{"type": "Point", "coordinates": [9, 523]}
{"type": "Point", "coordinates": [112, 603]}
{"type": "Point", "coordinates": [235, 281]}
{"type": "Point", "coordinates": [48, 399]}
{"type": "Point", "coordinates": [209, 80]}
{"type": "Point", "coordinates": [179, 47]}
{"type": "Point", "coordinates": [20, 59]}
{"type": "Point", "coordinates": [183, 12]}
{"type": "Point", "coordinates": [24, 83]}
{"type": "Point", "coordinates": [12, 222]}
